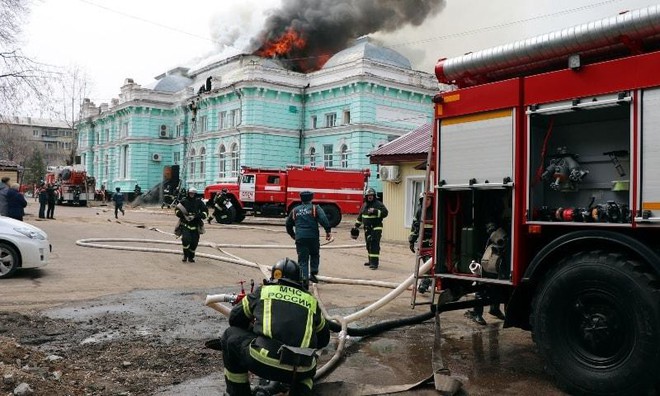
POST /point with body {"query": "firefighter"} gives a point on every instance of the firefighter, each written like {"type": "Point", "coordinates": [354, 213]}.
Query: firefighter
{"type": "Point", "coordinates": [221, 208]}
{"type": "Point", "coordinates": [191, 212]}
{"type": "Point", "coordinates": [280, 312]}
{"type": "Point", "coordinates": [427, 236]}
{"type": "Point", "coordinates": [118, 198]}
{"type": "Point", "coordinates": [371, 216]}
{"type": "Point", "coordinates": [306, 218]}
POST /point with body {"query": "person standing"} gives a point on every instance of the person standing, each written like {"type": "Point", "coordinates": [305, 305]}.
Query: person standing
{"type": "Point", "coordinates": [16, 202]}
{"type": "Point", "coordinates": [118, 199]}
{"type": "Point", "coordinates": [4, 189]}
{"type": "Point", "coordinates": [371, 218]}
{"type": "Point", "coordinates": [191, 213]}
{"type": "Point", "coordinates": [51, 197]}
{"type": "Point", "coordinates": [280, 312]}
{"type": "Point", "coordinates": [306, 218]}
{"type": "Point", "coordinates": [427, 235]}
{"type": "Point", "coordinates": [43, 200]}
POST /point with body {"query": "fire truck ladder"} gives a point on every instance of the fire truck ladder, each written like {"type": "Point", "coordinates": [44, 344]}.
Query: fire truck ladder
{"type": "Point", "coordinates": [423, 251]}
{"type": "Point", "coordinates": [188, 144]}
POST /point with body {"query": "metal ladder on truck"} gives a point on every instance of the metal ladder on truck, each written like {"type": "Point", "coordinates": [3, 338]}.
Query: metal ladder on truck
{"type": "Point", "coordinates": [426, 251]}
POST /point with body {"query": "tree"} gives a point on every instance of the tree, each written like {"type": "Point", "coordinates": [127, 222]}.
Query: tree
{"type": "Point", "coordinates": [34, 168]}
{"type": "Point", "coordinates": [73, 90]}
{"type": "Point", "coordinates": [15, 145]}
{"type": "Point", "coordinates": [22, 79]}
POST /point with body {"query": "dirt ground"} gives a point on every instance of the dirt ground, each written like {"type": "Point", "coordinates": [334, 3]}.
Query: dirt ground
{"type": "Point", "coordinates": [106, 321]}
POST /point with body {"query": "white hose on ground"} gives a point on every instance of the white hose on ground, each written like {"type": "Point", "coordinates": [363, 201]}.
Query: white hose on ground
{"type": "Point", "coordinates": [213, 301]}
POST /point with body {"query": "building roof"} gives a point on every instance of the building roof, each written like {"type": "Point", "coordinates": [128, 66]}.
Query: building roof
{"type": "Point", "coordinates": [413, 145]}
{"type": "Point", "coordinates": [364, 48]}
{"type": "Point", "coordinates": [170, 83]}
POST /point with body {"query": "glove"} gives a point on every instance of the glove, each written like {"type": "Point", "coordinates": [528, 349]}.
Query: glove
{"type": "Point", "coordinates": [412, 247]}
{"type": "Point", "coordinates": [328, 236]}
{"type": "Point", "coordinates": [355, 233]}
{"type": "Point", "coordinates": [190, 218]}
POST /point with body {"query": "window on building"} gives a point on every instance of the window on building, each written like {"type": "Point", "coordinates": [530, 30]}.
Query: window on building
{"type": "Point", "coordinates": [222, 162]}
{"type": "Point", "coordinates": [106, 167]}
{"type": "Point", "coordinates": [107, 135]}
{"type": "Point", "coordinates": [202, 162]}
{"type": "Point", "coordinates": [35, 133]}
{"type": "Point", "coordinates": [314, 125]}
{"type": "Point", "coordinates": [347, 117]}
{"type": "Point", "coordinates": [191, 161]}
{"type": "Point", "coordinates": [221, 120]}
{"type": "Point", "coordinates": [235, 160]}
{"type": "Point", "coordinates": [327, 155]}
{"type": "Point", "coordinates": [49, 146]}
{"type": "Point", "coordinates": [177, 157]}
{"type": "Point", "coordinates": [98, 137]}
{"type": "Point", "coordinates": [312, 156]}
{"type": "Point", "coordinates": [344, 156]}
{"type": "Point", "coordinates": [414, 187]}
{"type": "Point", "coordinates": [237, 117]}
{"type": "Point", "coordinates": [232, 118]}
{"type": "Point", "coordinates": [330, 120]}
{"type": "Point", "coordinates": [124, 129]}
{"type": "Point", "coordinates": [203, 123]}
{"type": "Point", "coordinates": [124, 162]}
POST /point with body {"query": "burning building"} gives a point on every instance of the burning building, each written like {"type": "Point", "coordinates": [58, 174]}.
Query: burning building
{"type": "Point", "coordinates": [274, 106]}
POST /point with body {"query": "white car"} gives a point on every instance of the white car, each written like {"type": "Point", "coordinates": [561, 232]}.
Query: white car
{"type": "Point", "coordinates": [21, 246]}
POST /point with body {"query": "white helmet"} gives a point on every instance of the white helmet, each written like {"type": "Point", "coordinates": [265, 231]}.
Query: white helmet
{"type": "Point", "coordinates": [192, 190]}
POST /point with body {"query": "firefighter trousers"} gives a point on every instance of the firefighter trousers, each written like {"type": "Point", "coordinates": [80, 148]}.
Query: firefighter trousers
{"type": "Point", "coordinates": [372, 237]}
{"type": "Point", "coordinates": [189, 241]}
{"type": "Point", "coordinates": [238, 361]}
{"type": "Point", "coordinates": [308, 250]}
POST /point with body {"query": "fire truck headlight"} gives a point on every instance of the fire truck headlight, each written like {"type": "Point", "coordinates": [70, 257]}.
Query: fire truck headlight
{"type": "Point", "coordinates": [32, 234]}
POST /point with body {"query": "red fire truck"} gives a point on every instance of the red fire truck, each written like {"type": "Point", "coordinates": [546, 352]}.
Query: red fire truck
{"type": "Point", "coordinates": [545, 176]}
{"type": "Point", "coordinates": [274, 192]}
{"type": "Point", "coordinates": [72, 185]}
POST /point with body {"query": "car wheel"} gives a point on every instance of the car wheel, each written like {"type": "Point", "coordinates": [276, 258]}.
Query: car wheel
{"type": "Point", "coordinates": [9, 260]}
{"type": "Point", "coordinates": [333, 214]}
{"type": "Point", "coordinates": [595, 321]}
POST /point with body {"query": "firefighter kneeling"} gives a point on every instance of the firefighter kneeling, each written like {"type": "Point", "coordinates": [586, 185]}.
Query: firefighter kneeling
{"type": "Point", "coordinates": [278, 313]}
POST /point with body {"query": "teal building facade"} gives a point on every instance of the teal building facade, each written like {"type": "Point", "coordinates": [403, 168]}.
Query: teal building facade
{"type": "Point", "coordinates": [253, 111]}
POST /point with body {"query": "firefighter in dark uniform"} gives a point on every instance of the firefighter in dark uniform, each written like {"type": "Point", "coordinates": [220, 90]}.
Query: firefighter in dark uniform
{"type": "Point", "coordinates": [371, 217]}
{"type": "Point", "coordinates": [427, 236]}
{"type": "Point", "coordinates": [191, 212]}
{"type": "Point", "coordinates": [220, 210]}
{"type": "Point", "coordinates": [280, 312]}
{"type": "Point", "coordinates": [306, 218]}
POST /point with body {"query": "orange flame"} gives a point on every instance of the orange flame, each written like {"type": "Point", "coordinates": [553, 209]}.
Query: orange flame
{"type": "Point", "coordinates": [283, 45]}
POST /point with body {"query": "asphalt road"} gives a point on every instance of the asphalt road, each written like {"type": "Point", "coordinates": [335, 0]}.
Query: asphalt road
{"type": "Point", "coordinates": [488, 360]}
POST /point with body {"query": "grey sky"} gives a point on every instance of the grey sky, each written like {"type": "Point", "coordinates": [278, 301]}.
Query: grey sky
{"type": "Point", "coordinates": [113, 40]}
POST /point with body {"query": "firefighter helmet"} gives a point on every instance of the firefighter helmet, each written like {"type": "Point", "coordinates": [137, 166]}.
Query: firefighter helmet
{"type": "Point", "coordinates": [224, 191]}
{"type": "Point", "coordinates": [370, 191]}
{"type": "Point", "coordinates": [192, 190]}
{"type": "Point", "coordinates": [286, 270]}
{"type": "Point", "coordinates": [306, 196]}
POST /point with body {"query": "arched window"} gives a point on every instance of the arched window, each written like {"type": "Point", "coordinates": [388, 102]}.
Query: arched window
{"type": "Point", "coordinates": [191, 162]}
{"type": "Point", "coordinates": [235, 160]}
{"type": "Point", "coordinates": [202, 162]}
{"type": "Point", "coordinates": [312, 156]}
{"type": "Point", "coordinates": [344, 156]}
{"type": "Point", "coordinates": [222, 162]}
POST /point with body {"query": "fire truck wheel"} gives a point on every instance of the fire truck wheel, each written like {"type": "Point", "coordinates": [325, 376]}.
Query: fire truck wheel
{"type": "Point", "coordinates": [240, 216]}
{"type": "Point", "coordinates": [595, 320]}
{"type": "Point", "coordinates": [333, 214]}
{"type": "Point", "coordinates": [9, 260]}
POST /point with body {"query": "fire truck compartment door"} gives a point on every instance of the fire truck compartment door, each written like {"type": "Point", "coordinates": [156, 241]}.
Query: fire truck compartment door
{"type": "Point", "coordinates": [650, 175]}
{"type": "Point", "coordinates": [477, 146]}
{"type": "Point", "coordinates": [247, 188]}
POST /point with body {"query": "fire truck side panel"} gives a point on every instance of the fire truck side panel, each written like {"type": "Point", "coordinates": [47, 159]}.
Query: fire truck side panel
{"type": "Point", "coordinates": [650, 156]}
{"type": "Point", "coordinates": [344, 189]}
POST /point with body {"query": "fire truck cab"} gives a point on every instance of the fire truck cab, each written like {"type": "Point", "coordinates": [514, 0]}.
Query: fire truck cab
{"type": "Point", "coordinates": [545, 175]}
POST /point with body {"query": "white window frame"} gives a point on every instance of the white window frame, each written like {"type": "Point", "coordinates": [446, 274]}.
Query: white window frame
{"type": "Point", "coordinates": [346, 117]}
{"type": "Point", "coordinates": [222, 161]}
{"type": "Point", "coordinates": [414, 186]}
{"type": "Point", "coordinates": [235, 160]}
{"type": "Point", "coordinates": [312, 156]}
{"type": "Point", "coordinates": [314, 122]}
{"type": "Point", "coordinates": [344, 155]}
{"type": "Point", "coordinates": [328, 155]}
{"type": "Point", "coordinates": [330, 120]}
{"type": "Point", "coordinates": [192, 170]}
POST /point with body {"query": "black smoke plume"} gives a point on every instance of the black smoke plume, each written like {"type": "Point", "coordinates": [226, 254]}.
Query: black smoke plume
{"type": "Point", "coordinates": [328, 26]}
